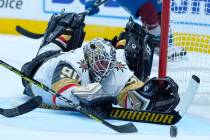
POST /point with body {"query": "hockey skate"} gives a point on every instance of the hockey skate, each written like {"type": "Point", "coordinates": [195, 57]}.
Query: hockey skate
{"type": "Point", "coordinates": [174, 53]}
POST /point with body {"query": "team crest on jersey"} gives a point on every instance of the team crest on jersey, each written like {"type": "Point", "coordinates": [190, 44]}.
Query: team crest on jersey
{"type": "Point", "coordinates": [120, 66]}
{"type": "Point", "coordinates": [83, 65]}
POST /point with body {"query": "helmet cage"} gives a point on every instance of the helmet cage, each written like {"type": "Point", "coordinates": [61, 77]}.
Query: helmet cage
{"type": "Point", "coordinates": [101, 58]}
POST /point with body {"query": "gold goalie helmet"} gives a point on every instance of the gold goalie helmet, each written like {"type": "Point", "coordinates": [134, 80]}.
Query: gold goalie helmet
{"type": "Point", "coordinates": [100, 56]}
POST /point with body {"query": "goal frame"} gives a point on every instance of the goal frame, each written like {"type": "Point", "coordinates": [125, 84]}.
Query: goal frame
{"type": "Point", "coordinates": [164, 38]}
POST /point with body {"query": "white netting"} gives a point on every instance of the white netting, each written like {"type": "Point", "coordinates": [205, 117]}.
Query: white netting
{"type": "Point", "coordinates": [189, 26]}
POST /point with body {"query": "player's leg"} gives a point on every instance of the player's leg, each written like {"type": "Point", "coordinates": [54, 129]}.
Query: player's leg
{"type": "Point", "coordinates": [132, 6]}
{"type": "Point", "coordinates": [174, 52]}
{"type": "Point", "coordinates": [149, 18]}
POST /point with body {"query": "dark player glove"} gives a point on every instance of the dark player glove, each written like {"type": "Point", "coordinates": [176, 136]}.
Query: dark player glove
{"type": "Point", "coordinates": [139, 49]}
{"type": "Point", "coordinates": [101, 110]}
{"type": "Point", "coordinates": [162, 93]}
{"type": "Point", "coordinates": [91, 8]}
{"type": "Point", "coordinates": [158, 94]}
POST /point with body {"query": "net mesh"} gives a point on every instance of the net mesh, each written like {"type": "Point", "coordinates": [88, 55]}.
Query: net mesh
{"type": "Point", "coordinates": [189, 33]}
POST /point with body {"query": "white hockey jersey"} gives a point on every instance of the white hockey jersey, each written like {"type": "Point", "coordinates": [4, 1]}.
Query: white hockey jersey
{"type": "Point", "coordinates": [112, 84]}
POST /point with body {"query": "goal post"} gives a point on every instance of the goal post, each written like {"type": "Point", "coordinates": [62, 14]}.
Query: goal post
{"type": "Point", "coordinates": [185, 24]}
{"type": "Point", "coordinates": [164, 38]}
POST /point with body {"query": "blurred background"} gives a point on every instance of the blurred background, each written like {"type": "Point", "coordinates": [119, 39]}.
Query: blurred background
{"type": "Point", "coordinates": [16, 50]}
{"type": "Point", "coordinates": [34, 14]}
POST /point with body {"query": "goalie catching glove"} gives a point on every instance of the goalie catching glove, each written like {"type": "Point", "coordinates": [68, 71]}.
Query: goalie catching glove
{"type": "Point", "coordinates": [158, 94]}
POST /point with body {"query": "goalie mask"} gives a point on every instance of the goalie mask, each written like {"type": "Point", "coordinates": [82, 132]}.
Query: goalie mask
{"type": "Point", "coordinates": [101, 58]}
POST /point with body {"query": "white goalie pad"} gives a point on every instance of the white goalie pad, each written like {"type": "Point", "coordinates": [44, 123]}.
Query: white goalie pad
{"type": "Point", "coordinates": [92, 95]}
{"type": "Point", "coordinates": [87, 89]}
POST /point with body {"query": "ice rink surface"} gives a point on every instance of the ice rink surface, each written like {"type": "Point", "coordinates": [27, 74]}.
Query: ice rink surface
{"type": "Point", "coordinates": [48, 124]}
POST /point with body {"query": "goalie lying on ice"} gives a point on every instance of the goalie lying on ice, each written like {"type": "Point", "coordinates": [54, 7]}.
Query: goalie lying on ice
{"type": "Point", "coordinates": [100, 73]}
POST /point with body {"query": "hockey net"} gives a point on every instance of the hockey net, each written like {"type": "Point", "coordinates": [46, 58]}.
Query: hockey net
{"type": "Point", "coordinates": [186, 25]}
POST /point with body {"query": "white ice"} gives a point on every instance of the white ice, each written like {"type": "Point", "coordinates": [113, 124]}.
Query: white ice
{"type": "Point", "coordinates": [48, 124]}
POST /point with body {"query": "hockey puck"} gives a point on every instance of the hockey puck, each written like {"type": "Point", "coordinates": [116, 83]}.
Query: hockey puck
{"type": "Point", "coordinates": [173, 131]}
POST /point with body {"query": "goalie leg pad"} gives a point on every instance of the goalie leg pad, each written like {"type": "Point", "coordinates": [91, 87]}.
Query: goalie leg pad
{"type": "Point", "coordinates": [138, 50]}
{"type": "Point", "coordinates": [66, 24]}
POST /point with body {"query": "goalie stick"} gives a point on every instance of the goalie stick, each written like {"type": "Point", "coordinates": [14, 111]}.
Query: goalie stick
{"type": "Point", "coordinates": [148, 116]}
{"type": "Point", "coordinates": [132, 115]}
{"type": "Point", "coordinates": [26, 107]}
{"type": "Point", "coordinates": [32, 35]}
{"type": "Point", "coordinates": [126, 128]}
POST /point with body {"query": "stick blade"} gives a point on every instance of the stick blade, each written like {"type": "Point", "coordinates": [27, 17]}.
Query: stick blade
{"type": "Point", "coordinates": [125, 128]}
{"type": "Point", "coordinates": [26, 107]}
{"type": "Point", "coordinates": [27, 33]}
